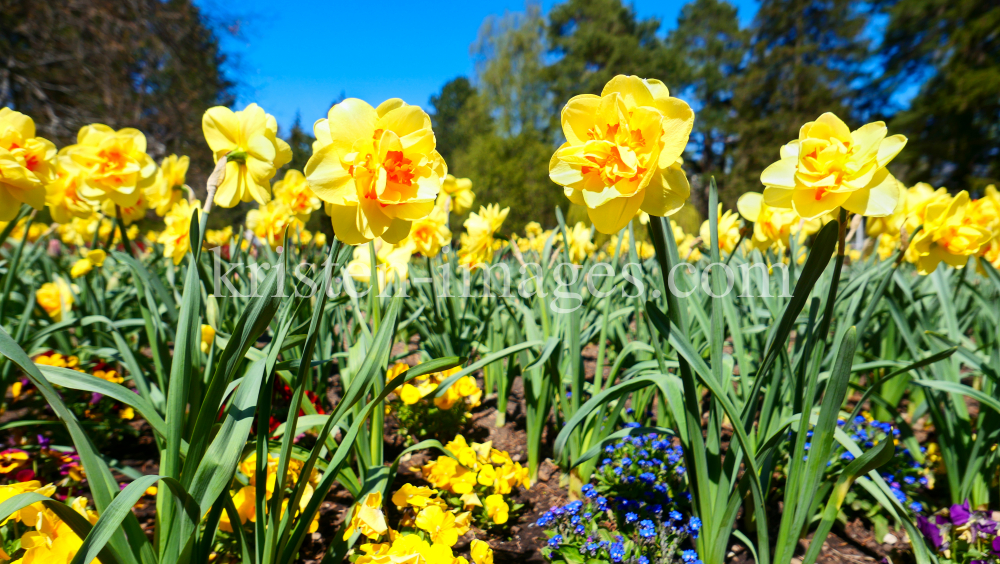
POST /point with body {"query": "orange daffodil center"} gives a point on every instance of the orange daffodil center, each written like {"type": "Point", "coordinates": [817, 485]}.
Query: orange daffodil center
{"type": "Point", "coordinates": [376, 169]}
{"type": "Point", "coordinates": [830, 166]}
{"type": "Point", "coordinates": [623, 150]}
{"type": "Point", "coordinates": [27, 163]}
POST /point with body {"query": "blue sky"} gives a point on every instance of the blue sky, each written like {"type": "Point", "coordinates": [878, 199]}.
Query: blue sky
{"type": "Point", "coordinates": [297, 56]}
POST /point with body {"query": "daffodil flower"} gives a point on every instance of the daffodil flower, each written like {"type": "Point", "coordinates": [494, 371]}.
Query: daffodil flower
{"type": "Point", "coordinates": [376, 168]}
{"type": "Point", "coordinates": [248, 140]}
{"type": "Point", "coordinates": [830, 166]}
{"type": "Point", "coordinates": [623, 152]}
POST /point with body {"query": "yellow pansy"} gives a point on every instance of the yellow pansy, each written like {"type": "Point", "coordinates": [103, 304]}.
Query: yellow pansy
{"type": "Point", "coordinates": [478, 239]}
{"type": "Point", "coordinates": [176, 236]}
{"type": "Point", "coordinates": [497, 509]}
{"type": "Point", "coordinates": [830, 166]}
{"type": "Point", "coordinates": [169, 185]}
{"type": "Point", "coordinates": [115, 164]}
{"type": "Point", "coordinates": [245, 501]}
{"type": "Point", "coordinates": [56, 298]}
{"type": "Point", "coordinates": [947, 236]}
{"type": "Point", "coordinates": [481, 552]}
{"type": "Point", "coordinates": [249, 138]}
{"type": "Point", "coordinates": [415, 496]}
{"type": "Point", "coordinates": [368, 518]}
{"type": "Point", "coordinates": [294, 192]}
{"type": "Point", "coordinates": [377, 169]}
{"type": "Point", "coordinates": [623, 152]}
{"type": "Point", "coordinates": [439, 524]}
{"type": "Point", "coordinates": [459, 193]}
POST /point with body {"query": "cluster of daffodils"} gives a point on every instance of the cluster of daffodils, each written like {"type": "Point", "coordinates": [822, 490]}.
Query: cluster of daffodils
{"type": "Point", "coordinates": [421, 412]}
{"type": "Point", "coordinates": [634, 512]}
{"type": "Point", "coordinates": [248, 480]}
{"type": "Point", "coordinates": [44, 537]}
{"type": "Point", "coordinates": [478, 479]}
{"type": "Point", "coordinates": [479, 241]}
{"type": "Point", "coordinates": [425, 535]}
{"type": "Point", "coordinates": [963, 535]}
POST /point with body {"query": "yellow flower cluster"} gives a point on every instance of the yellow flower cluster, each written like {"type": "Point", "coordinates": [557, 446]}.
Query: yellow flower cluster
{"type": "Point", "coordinates": [245, 499]}
{"type": "Point", "coordinates": [464, 389]}
{"type": "Point", "coordinates": [456, 194]}
{"type": "Point", "coordinates": [48, 538]}
{"type": "Point", "coordinates": [476, 471]}
{"type": "Point", "coordinates": [422, 510]}
{"type": "Point", "coordinates": [27, 163]}
{"type": "Point", "coordinates": [391, 263]}
{"type": "Point", "coordinates": [644, 249]}
{"type": "Point", "coordinates": [94, 258]}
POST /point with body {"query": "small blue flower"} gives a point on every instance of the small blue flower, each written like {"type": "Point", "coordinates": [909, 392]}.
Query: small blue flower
{"type": "Point", "coordinates": [574, 506]}
{"type": "Point", "coordinates": [631, 517]}
{"type": "Point", "coordinates": [642, 560]}
{"type": "Point", "coordinates": [610, 449]}
{"type": "Point", "coordinates": [618, 470]}
{"type": "Point", "coordinates": [695, 524]}
{"type": "Point", "coordinates": [588, 515]}
{"type": "Point", "coordinates": [632, 425]}
{"type": "Point", "coordinates": [847, 456]}
{"type": "Point", "coordinates": [575, 520]}
{"type": "Point", "coordinates": [924, 481]}
{"type": "Point", "coordinates": [617, 551]}
{"type": "Point", "coordinates": [859, 420]}
{"type": "Point", "coordinates": [689, 556]}
{"type": "Point", "coordinates": [680, 470]}
{"type": "Point", "coordinates": [657, 508]}
{"type": "Point", "coordinates": [602, 503]}
{"type": "Point", "coordinates": [555, 541]}
{"type": "Point", "coordinates": [580, 529]}
{"type": "Point", "coordinates": [676, 515]}
{"type": "Point", "coordinates": [910, 480]}
{"type": "Point", "coordinates": [916, 507]}
{"type": "Point", "coordinates": [626, 462]}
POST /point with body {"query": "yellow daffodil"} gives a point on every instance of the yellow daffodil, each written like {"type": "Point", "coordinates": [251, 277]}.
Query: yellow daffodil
{"type": "Point", "coordinates": [270, 220]}
{"type": "Point", "coordinates": [623, 152]}
{"type": "Point", "coordinates": [207, 338]}
{"type": "Point", "coordinates": [771, 226]}
{"type": "Point", "coordinates": [478, 239]}
{"type": "Point", "coordinates": [377, 169]}
{"type": "Point", "coordinates": [115, 164]}
{"type": "Point", "coordinates": [687, 244]}
{"type": "Point", "coordinates": [644, 249]}
{"type": "Point", "coordinates": [392, 263]}
{"type": "Point", "coordinates": [169, 185]}
{"type": "Point", "coordinates": [63, 193]}
{"type": "Point", "coordinates": [947, 235]}
{"type": "Point", "coordinates": [459, 193]}
{"type": "Point", "coordinates": [249, 138]}
{"type": "Point", "coordinates": [56, 298]}
{"type": "Point", "coordinates": [85, 265]}
{"type": "Point", "coordinates": [729, 231]}
{"type": "Point", "coordinates": [218, 237]}
{"type": "Point", "coordinates": [497, 509]}
{"type": "Point", "coordinates": [581, 244]}
{"type": "Point", "coordinates": [428, 234]}
{"type": "Point", "coordinates": [294, 192]}
{"type": "Point", "coordinates": [368, 518]}
{"type": "Point", "coordinates": [27, 163]}
{"type": "Point", "coordinates": [130, 214]}
{"type": "Point", "coordinates": [830, 166]}
{"type": "Point", "coordinates": [176, 236]}
{"type": "Point", "coordinates": [481, 552]}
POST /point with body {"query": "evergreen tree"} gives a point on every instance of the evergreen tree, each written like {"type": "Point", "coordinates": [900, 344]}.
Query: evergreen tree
{"type": "Point", "coordinates": [953, 122]}
{"type": "Point", "coordinates": [806, 57]}
{"type": "Point", "coordinates": [594, 40]}
{"type": "Point", "coordinates": [708, 35]}
{"type": "Point", "coordinates": [459, 115]}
